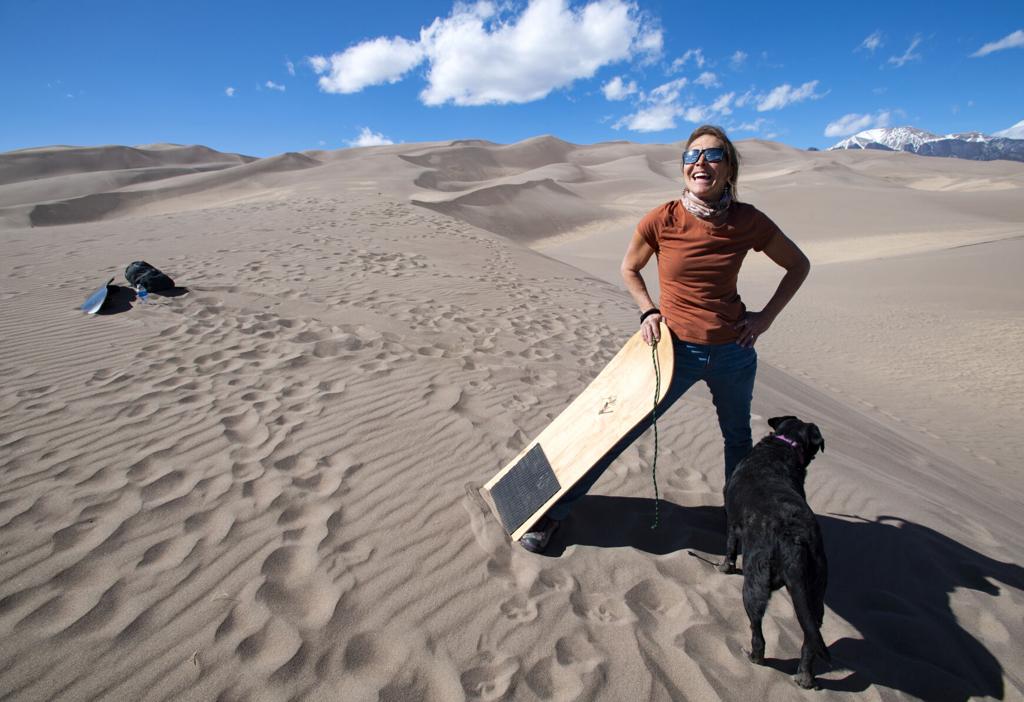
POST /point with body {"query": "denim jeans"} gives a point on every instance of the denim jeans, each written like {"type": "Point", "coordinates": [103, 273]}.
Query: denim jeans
{"type": "Point", "coordinates": [729, 371]}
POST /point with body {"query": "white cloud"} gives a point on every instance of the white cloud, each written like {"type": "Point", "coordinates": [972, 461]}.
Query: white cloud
{"type": "Point", "coordinates": [871, 42]}
{"type": "Point", "coordinates": [1012, 40]}
{"type": "Point", "coordinates": [908, 55]}
{"type": "Point", "coordinates": [666, 92]}
{"type": "Point", "coordinates": [661, 109]}
{"type": "Point", "coordinates": [743, 99]}
{"type": "Point", "coordinates": [319, 64]}
{"type": "Point", "coordinates": [721, 105]}
{"type": "Point", "coordinates": [371, 62]}
{"type": "Point", "coordinates": [229, 91]}
{"type": "Point", "coordinates": [488, 54]}
{"type": "Point", "coordinates": [707, 79]}
{"type": "Point", "coordinates": [274, 86]}
{"type": "Point", "coordinates": [291, 67]}
{"type": "Point", "coordinates": [696, 54]}
{"type": "Point", "coordinates": [754, 126]}
{"type": "Point", "coordinates": [651, 42]}
{"type": "Point", "coordinates": [616, 89]}
{"type": "Point", "coordinates": [738, 59]}
{"type": "Point", "coordinates": [786, 94]}
{"type": "Point", "coordinates": [477, 59]}
{"type": "Point", "coordinates": [853, 123]}
{"type": "Point", "coordinates": [651, 119]}
{"type": "Point", "coordinates": [696, 113]}
{"type": "Point", "coordinates": [662, 106]}
{"type": "Point", "coordinates": [368, 137]}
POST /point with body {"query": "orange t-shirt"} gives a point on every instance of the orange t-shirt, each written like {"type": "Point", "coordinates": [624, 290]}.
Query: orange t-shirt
{"type": "Point", "coordinates": [698, 264]}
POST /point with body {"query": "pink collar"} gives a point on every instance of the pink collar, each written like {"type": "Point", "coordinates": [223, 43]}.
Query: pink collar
{"type": "Point", "coordinates": [787, 440]}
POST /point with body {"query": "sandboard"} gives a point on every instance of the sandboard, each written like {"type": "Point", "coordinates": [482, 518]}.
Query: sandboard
{"type": "Point", "coordinates": [610, 407]}
{"type": "Point", "coordinates": [96, 300]}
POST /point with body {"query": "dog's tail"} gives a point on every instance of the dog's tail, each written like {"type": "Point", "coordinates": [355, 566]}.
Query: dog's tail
{"type": "Point", "coordinates": [805, 614]}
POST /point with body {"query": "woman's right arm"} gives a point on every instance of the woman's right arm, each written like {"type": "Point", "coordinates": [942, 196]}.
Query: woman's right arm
{"type": "Point", "coordinates": [637, 256]}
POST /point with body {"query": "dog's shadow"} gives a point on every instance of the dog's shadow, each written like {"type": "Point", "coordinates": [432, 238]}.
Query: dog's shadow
{"type": "Point", "coordinates": [890, 579]}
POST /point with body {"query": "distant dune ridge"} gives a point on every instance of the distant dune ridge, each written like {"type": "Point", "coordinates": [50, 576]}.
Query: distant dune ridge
{"type": "Point", "coordinates": [263, 489]}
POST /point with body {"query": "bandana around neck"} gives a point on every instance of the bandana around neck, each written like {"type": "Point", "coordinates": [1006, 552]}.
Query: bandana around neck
{"type": "Point", "coordinates": [707, 210]}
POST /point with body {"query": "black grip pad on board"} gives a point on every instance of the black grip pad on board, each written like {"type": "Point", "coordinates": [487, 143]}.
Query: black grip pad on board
{"type": "Point", "coordinates": [524, 489]}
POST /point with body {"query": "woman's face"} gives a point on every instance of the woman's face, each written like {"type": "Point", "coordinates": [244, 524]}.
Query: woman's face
{"type": "Point", "coordinates": [706, 180]}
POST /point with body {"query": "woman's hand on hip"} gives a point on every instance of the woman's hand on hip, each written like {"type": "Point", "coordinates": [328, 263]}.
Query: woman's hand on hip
{"type": "Point", "coordinates": [752, 326]}
{"type": "Point", "coordinates": [650, 329]}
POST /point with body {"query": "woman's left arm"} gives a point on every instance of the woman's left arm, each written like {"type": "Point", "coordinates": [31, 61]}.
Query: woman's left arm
{"type": "Point", "coordinates": [784, 252]}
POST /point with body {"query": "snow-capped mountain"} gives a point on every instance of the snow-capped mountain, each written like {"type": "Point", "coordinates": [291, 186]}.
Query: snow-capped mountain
{"type": "Point", "coordinates": [895, 139]}
{"type": "Point", "coordinates": [969, 145]}
{"type": "Point", "coordinates": [1014, 132]}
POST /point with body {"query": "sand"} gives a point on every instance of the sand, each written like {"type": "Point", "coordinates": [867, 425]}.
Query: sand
{"type": "Point", "coordinates": [262, 489]}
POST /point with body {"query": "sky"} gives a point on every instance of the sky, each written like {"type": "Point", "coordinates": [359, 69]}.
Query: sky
{"type": "Point", "coordinates": [263, 77]}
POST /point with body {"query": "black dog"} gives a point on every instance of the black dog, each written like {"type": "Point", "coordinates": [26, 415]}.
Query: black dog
{"type": "Point", "coordinates": [769, 519]}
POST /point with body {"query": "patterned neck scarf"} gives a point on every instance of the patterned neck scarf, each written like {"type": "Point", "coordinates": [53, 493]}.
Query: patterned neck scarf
{"type": "Point", "coordinates": [707, 210]}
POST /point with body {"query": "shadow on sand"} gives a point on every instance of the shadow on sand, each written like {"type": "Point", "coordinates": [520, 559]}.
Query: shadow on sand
{"type": "Point", "coordinates": [120, 298]}
{"type": "Point", "coordinates": [176, 291]}
{"type": "Point", "coordinates": [890, 579]}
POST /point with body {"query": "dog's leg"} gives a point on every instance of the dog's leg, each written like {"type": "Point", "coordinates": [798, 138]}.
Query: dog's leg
{"type": "Point", "coordinates": [732, 540]}
{"type": "Point", "coordinates": [756, 593]}
{"type": "Point", "coordinates": [805, 671]}
{"type": "Point", "coordinates": [806, 613]}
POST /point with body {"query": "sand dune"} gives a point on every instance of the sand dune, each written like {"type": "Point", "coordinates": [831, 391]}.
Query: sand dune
{"type": "Point", "coordinates": [472, 161]}
{"type": "Point", "coordinates": [52, 161]}
{"type": "Point", "coordinates": [132, 192]}
{"type": "Point", "coordinates": [257, 490]}
{"type": "Point", "coordinates": [547, 208]}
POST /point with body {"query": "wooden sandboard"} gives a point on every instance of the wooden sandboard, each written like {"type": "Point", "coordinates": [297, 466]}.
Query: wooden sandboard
{"type": "Point", "coordinates": [611, 406]}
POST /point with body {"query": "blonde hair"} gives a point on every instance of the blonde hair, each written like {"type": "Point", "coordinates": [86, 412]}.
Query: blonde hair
{"type": "Point", "coordinates": [732, 156]}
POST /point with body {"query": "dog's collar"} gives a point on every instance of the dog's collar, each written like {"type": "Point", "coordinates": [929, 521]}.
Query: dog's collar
{"type": "Point", "coordinates": [795, 445]}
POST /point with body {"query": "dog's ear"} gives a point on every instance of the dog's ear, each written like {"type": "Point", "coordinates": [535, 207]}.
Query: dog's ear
{"type": "Point", "coordinates": [815, 438]}
{"type": "Point", "coordinates": [776, 422]}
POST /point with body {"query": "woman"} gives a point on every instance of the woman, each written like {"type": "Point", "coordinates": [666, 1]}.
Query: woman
{"type": "Point", "coordinates": [700, 240]}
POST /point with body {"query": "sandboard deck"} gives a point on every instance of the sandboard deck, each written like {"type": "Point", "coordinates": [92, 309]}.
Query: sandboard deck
{"type": "Point", "coordinates": [96, 300]}
{"type": "Point", "coordinates": [613, 404]}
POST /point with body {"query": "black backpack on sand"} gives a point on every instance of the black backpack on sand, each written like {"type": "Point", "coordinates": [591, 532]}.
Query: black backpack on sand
{"type": "Point", "coordinates": [140, 274]}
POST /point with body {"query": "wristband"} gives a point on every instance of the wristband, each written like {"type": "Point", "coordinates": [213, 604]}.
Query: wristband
{"type": "Point", "coordinates": [648, 313]}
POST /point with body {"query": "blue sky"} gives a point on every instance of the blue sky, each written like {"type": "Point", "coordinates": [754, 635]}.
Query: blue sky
{"type": "Point", "coordinates": [265, 77]}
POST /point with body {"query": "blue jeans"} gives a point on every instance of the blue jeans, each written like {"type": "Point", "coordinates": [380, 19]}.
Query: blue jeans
{"type": "Point", "coordinates": [729, 371]}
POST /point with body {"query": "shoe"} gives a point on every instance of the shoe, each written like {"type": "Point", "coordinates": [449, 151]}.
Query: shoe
{"type": "Point", "coordinates": [536, 540]}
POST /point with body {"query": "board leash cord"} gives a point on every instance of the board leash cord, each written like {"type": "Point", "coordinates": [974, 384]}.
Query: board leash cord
{"type": "Point", "coordinates": [654, 420]}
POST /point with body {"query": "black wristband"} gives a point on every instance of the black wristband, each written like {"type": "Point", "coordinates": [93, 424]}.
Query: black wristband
{"type": "Point", "coordinates": [648, 313]}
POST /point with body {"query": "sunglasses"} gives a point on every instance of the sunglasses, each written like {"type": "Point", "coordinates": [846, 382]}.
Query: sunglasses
{"type": "Point", "coordinates": [712, 155]}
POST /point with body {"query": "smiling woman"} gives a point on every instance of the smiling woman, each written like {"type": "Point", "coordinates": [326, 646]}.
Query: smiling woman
{"type": "Point", "coordinates": [700, 241]}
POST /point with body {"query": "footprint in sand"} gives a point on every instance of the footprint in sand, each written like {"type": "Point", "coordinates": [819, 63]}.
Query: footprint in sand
{"type": "Point", "coordinates": [570, 673]}
{"type": "Point", "coordinates": [659, 599]}
{"type": "Point", "coordinates": [490, 676]}
{"type": "Point", "coordinates": [519, 608]}
{"type": "Point", "coordinates": [550, 580]}
{"type": "Point", "coordinates": [601, 608]}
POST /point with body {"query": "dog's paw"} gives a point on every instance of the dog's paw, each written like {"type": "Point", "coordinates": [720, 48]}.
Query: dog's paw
{"type": "Point", "coordinates": [804, 680]}
{"type": "Point", "coordinates": [756, 657]}
{"type": "Point", "coordinates": [727, 567]}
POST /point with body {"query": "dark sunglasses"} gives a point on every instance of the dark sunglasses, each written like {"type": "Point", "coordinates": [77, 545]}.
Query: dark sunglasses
{"type": "Point", "coordinates": [712, 155]}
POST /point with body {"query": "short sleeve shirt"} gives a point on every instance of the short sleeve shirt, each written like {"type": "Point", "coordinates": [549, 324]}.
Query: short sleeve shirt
{"type": "Point", "coordinates": [699, 264]}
